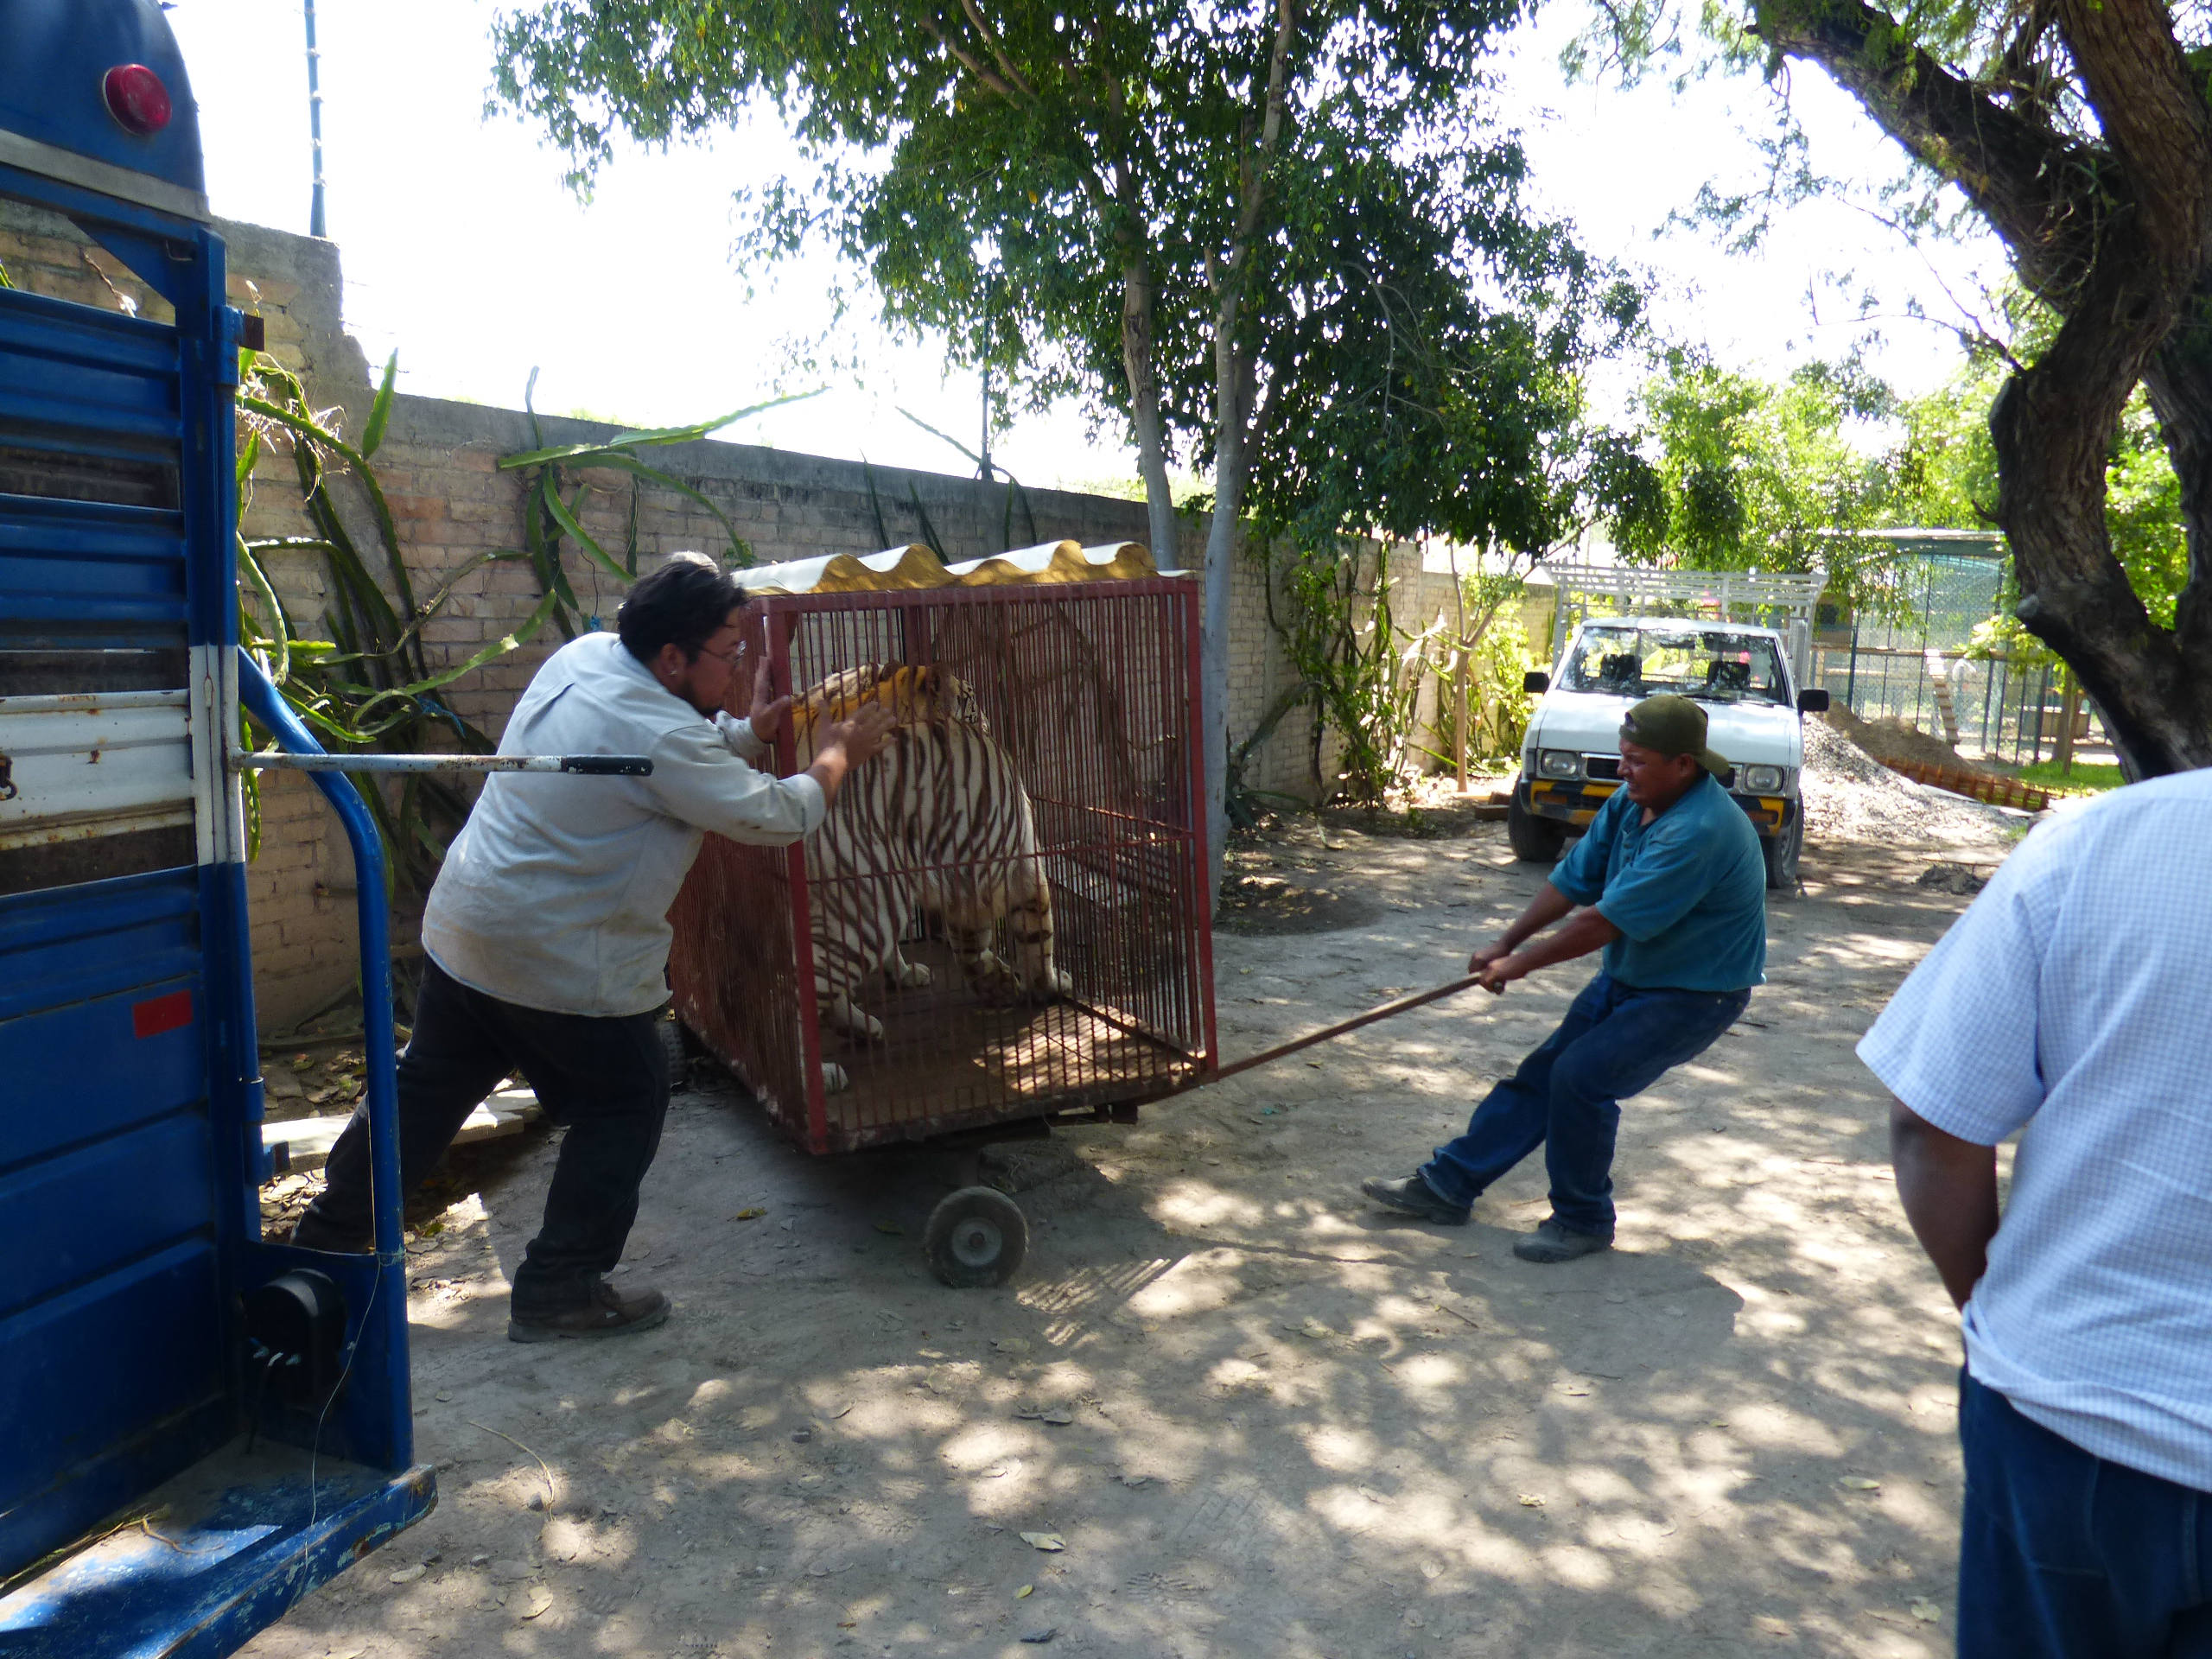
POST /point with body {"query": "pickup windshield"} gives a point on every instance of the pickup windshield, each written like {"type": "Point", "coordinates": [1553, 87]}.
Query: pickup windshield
{"type": "Point", "coordinates": [1712, 664]}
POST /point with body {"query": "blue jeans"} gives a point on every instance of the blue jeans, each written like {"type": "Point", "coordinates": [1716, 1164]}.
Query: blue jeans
{"type": "Point", "coordinates": [2065, 1555]}
{"type": "Point", "coordinates": [1617, 1041]}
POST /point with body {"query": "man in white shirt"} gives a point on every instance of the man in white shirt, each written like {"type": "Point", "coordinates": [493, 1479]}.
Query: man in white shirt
{"type": "Point", "coordinates": [2072, 1003]}
{"type": "Point", "coordinates": [547, 930]}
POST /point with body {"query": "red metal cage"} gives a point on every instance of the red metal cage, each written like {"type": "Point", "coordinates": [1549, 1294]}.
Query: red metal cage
{"type": "Point", "coordinates": [1088, 692]}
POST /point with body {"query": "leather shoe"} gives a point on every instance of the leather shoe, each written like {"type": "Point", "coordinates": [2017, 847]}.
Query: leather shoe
{"type": "Point", "coordinates": [606, 1313]}
{"type": "Point", "coordinates": [1552, 1243]}
{"type": "Point", "coordinates": [1413, 1196]}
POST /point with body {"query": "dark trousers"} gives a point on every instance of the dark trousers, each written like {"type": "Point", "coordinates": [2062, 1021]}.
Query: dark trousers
{"type": "Point", "coordinates": [2065, 1556]}
{"type": "Point", "coordinates": [1617, 1041]}
{"type": "Point", "coordinates": [605, 1079]}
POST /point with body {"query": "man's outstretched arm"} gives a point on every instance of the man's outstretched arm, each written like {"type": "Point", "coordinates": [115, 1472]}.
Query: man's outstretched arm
{"type": "Point", "coordinates": [1512, 957]}
{"type": "Point", "coordinates": [1948, 1188]}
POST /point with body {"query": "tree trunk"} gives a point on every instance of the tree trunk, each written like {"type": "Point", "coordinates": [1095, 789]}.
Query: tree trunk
{"type": "Point", "coordinates": [1229, 456]}
{"type": "Point", "coordinates": [1140, 364]}
{"type": "Point", "coordinates": [1235, 370]}
{"type": "Point", "coordinates": [2114, 234]}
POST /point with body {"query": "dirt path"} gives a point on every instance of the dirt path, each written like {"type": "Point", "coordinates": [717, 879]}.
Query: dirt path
{"type": "Point", "coordinates": [1296, 1428]}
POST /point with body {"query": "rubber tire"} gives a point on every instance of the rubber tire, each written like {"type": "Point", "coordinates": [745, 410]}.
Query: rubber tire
{"type": "Point", "coordinates": [977, 1237]}
{"type": "Point", "coordinates": [1533, 839]}
{"type": "Point", "coordinates": [1781, 853]}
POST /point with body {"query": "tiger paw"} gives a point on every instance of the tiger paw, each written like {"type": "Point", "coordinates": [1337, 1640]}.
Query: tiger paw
{"type": "Point", "coordinates": [911, 974]}
{"type": "Point", "coordinates": [854, 1022]}
{"type": "Point", "coordinates": [835, 1078]}
{"type": "Point", "coordinates": [993, 982]}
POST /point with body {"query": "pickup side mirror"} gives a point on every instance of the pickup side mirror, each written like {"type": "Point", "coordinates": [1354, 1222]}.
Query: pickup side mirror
{"type": "Point", "coordinates": [1535, 681]}
{"type": "Point", "coordinates": [1814, 701]}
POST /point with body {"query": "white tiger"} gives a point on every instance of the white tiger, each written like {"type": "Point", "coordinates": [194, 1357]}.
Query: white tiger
{"type": "Point", "coordinates": [937, 822]}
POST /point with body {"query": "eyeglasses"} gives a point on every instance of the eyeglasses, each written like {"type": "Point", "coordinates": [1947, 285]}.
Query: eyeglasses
{"type": "Point", "coordinates": [727, 657]}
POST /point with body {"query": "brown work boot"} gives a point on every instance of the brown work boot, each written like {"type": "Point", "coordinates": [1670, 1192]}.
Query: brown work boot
{"type": "Point", "coordinates": [607, 1312]}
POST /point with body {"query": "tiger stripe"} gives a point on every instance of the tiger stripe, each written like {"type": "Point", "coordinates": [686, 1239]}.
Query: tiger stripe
{"type": "Point", "coordinates": [938, 823]}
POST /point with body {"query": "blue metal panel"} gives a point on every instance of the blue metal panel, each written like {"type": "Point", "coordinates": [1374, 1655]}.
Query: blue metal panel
{"type": "Point", "coordinates": [81, 368]}
{"type": "Point", "coordinates": [66, 1220]}
{"type": "Point", "coordinates": [122, 1080]}
{"type": "Point", "coordinates": [227, 1563]}
{"type": "Point", "coordinates": [72, 944]}
{"type": "Point", "coordinates": [73, 44]}
{"type": "Point", "coordinates": [80, 383]}
{"type": "Point", "coordinates": [85, 573]}
{"type": "Point", "coordinates": [120, 1361]}
{"type": "Point", "coordinates": [112, 1321]}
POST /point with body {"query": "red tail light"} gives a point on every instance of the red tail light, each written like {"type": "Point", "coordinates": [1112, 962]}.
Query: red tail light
{"type": "Point", "coordinates": [136, 98]}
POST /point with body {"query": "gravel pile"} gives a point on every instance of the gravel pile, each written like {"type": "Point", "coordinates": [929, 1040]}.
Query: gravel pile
{"type": "Point", "coordinates": [1851, 796]}
{"type": "Point", "coordinates": [1891, 739]}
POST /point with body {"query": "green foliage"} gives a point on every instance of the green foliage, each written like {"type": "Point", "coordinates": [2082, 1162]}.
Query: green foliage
{"type": "Point", "coordinates": [1336, 620]}
{"type": "Point", "coordinates": [368, 686]}
{"type": "Point", "coordinates": [2084, 778]}
{"type": "Point", "coordinates": [2047, 128]}
{"type": "Point", "coordinates": [1286, 233]}
{"type": "Point", "coordinates": [1497, 663]}
{"type": "Point", "coordinates": [1762, 475]}
{"type": "Point", "coordinates": [993, 169]}
{"type": "Point", "coordinates": [1946, 477]}
{"type": "Point", "coordinates": [554, 492]}
{"type": "Point", "coordinates": [1766, 474]}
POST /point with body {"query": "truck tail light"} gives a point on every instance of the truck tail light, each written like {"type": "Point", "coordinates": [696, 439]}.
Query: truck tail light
{"type": "Point", "coordinates": [136, 98]}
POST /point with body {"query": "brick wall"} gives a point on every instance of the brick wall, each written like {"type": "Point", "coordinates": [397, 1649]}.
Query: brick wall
{"type": "Point", "coordinates": [438, 468]}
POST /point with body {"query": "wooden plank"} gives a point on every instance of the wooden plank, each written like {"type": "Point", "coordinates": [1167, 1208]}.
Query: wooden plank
{"type": "Point", "coordinates": [305, 1142]}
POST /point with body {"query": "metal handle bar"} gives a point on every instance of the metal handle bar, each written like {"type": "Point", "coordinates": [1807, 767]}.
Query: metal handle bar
{"type": "Point", "coordinates": [1382, 1011]}
{"type": "Point", "coordinates": [262, 699]}
{"type": "Point", "coordinates": [590, 766]}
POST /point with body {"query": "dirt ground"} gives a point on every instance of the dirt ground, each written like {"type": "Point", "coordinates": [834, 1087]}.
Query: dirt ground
{"type": "Point", "coordinates": [1293, 1427]}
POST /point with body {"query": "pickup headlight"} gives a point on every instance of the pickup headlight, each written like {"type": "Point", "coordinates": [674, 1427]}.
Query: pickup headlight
{"type": "Point", "coordinates": [1560, 763]}
{"type": "Point", "coordinates": [1765, 780]}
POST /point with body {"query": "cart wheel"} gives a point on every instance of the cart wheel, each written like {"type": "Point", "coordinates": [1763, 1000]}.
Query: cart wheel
{"type": "Point", "coordinates": [976, 1236]}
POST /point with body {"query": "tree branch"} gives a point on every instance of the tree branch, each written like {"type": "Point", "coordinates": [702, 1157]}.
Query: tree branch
{"type": "Point", "coordinates": [975, 14]}
{"type": "Point", "coordinates": [2041, 192]}
{"type": "Point", "coordinates": [983, 73]}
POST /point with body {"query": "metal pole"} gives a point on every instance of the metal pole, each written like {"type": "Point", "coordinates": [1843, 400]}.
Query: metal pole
{"type": "Point", "coordinates": [315, 225]}
{"type": "Point", "coordinates": [599, 766]}
{"type": "Point", "coordinates": [990, 299]}
{"type": "Point", "coordinates": [389, 1380]}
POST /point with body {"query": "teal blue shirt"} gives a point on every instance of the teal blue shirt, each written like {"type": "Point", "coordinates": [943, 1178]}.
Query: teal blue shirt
{"type": "Point", "coordinates": [1687, 891]}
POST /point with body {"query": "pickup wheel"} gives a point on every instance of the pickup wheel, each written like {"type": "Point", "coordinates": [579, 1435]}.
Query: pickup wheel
{"type": "Point", "coordinates": [1780, 855]}
{"type": "Point", "coordinates": [1534, 839]}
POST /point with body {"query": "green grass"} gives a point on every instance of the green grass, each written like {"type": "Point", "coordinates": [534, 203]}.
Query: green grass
{"type": "Point", "coordinates": [2084, 779]}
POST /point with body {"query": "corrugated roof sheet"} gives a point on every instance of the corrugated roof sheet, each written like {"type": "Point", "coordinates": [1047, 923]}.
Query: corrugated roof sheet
{"type": "Point", "coordinates": [902, 568]}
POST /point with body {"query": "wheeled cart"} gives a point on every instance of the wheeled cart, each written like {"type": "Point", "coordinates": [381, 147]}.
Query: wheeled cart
{"type": "Point", "coordinates": [1081, 664]}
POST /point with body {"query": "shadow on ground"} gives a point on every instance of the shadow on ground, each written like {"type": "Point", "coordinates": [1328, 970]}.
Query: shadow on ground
{"type": "Point", "coordinates": [1292, 1426]}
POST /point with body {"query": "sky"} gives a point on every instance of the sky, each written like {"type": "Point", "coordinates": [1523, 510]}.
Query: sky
{"type": "Point", "coordinates": [464, 253]}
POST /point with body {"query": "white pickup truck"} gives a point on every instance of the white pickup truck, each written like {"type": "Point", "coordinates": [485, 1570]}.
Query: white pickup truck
{"type": "Point", "coordinates": [1570, 761]}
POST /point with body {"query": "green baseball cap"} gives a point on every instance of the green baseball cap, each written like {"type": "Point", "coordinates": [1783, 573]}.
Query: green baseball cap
{"type": "Point", "coordinates": [1673, 725]}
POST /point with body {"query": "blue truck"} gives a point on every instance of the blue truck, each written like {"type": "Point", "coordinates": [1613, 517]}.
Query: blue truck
{"type": "Point", "coordinates": [197, 1425]}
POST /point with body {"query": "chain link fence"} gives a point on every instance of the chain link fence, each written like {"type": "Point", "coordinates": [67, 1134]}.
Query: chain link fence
{"type": "Point", "coordinates": [1913, 669]}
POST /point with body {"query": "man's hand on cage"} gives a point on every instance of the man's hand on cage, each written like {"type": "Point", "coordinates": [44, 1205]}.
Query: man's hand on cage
{"type": "Point", "coordinates": [862, 734]}
{"type": "Point", "coordinates": [763, 709]}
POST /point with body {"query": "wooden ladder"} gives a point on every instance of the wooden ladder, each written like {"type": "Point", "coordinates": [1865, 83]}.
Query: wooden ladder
{"type": "Point", "coordinates": [1939, 674]}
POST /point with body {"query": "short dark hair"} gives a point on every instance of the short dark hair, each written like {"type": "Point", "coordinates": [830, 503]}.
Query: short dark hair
{"type": "Point", "coordinates": [683, 603]}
